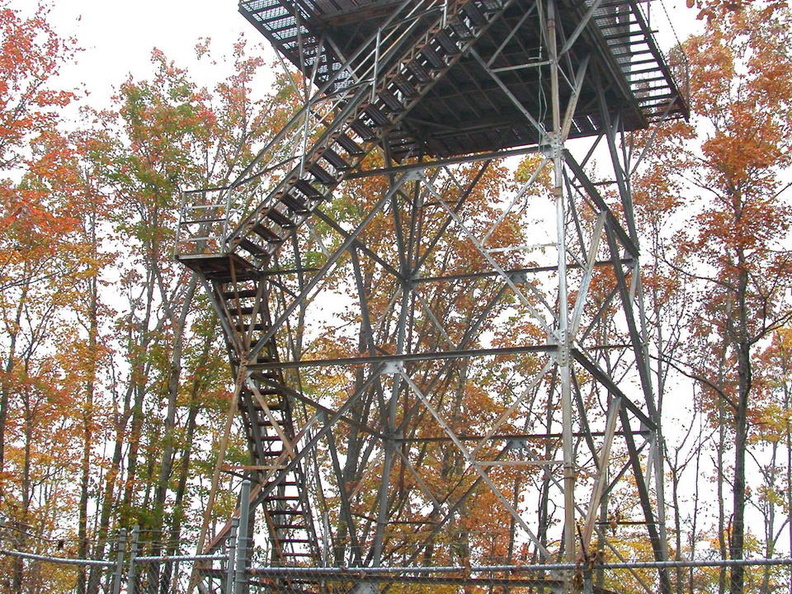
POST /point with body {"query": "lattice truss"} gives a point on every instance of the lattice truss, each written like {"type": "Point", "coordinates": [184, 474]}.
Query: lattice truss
{"type": "Point", "coordinates": [437, 366]}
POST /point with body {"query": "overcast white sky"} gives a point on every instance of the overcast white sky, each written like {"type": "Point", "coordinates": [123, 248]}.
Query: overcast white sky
{"type": "Point", "coordinates": [118, 36]}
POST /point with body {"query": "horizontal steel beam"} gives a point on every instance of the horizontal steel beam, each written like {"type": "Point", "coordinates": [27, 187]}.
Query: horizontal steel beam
{"type": "Point", "coordinates": [513, 272]}
{"type": "Point", "coordinates": [405, 358]}
{"type": "Point", "coordinates": [525, 150]}
{"type": "Point", "coordinates": [516, 436]}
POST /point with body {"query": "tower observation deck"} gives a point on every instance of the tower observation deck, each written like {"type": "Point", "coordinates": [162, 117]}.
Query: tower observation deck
{"type": "Point", "coordinates": [469, 110]}
{"type": "Point", "coordinates": [443, 375]}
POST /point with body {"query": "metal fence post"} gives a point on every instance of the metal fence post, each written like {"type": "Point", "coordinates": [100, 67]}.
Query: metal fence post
{"type": "Point", "coordinates": [132, 575]}
{"type": "Point", "coordinates": [588, 581]}
{"type": "Point", "coordinates": [119, 562]}
{"type": "Point", "coordinates": [240, 580]}
{"type": "Point", "coordinates": [231, 563]}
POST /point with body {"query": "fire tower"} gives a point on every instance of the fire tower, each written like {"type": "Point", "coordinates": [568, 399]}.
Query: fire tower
{"type": "Point", "coordinates": [441, 378]}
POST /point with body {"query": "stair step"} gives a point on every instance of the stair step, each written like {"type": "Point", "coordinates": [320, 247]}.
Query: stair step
{"type": "Point", "coordinates": [267, 391]}
{"type": "Point", "coordinates": [265, 422]}
{"type": "Point", "coordinates": [295, 204]}
{"type": "Point", "coordinates": [242, 294]}
{"type": "Point", "coordinates": [268, 436]}
{"type": "Point", "coordinates": [268, 455]}
{"type": "Point", "coordinates": [460, 29]}
{"type": "Point", "coordinates": [474, 14]}
{"type": "Point", "coordinates": [363, 130]}
{"type": "Point", "coordinates": [377, 115]}
{"type": "Point", "coordinates": [308, 190]}
{"type": "Point", "coordinates": [402, 83]}
{"type": "Point", "coordinates": [448, 44]}
{"type": "Point", "coordinates": [390, 100]}
{"type": "Point", "coordinates": [349, 145]}
{"type": "Point", "coordinates": [335, 159]}
{"type": "Point", "coordinates": [251, 247]}
{"type": "Point", "coordinates": [276, 405]}
{"type": "Point", "coordinates": [266, 233]}
{"type": "Point", "coordinates": [281, 219]}
{"type": "Point", "coordinates": [284, 484]}
{"type": "Point", "coordinates": [419, 71]}
{"type": "Point", "coordinates": [433, 58]}
{"type": "Point", "coordinates": [247, 327]}
{"type": "Point", "coordinates": [322, 175]}
{"type": "Point", "coordinates": [273, 406]}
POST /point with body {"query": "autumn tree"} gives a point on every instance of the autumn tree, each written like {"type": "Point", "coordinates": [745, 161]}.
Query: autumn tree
{"type": "Point", "coordinates": [728, 163]}
{"type": "Point", "coordinates": [163, 135]}
{"type": "Point", "coordinates": [770, 415]}
{"type": "Point", "coordinates": [43, 258]}
{"type": "Point", "coordinates": [113, 371]}
{"type": "Point", "coordinates": [30, 55]}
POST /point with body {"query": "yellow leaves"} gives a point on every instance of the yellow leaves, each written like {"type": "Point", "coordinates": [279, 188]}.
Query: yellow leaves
{"type": "Point", "coordinates": [746, 149]}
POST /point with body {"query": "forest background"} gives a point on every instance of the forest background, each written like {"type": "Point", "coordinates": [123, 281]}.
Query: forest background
{"type": "Point", "coordinates": [113, 373]}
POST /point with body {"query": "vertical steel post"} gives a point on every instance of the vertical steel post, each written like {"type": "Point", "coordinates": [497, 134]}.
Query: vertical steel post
{"type": "Point", "coordinates": [389, 443]}
{"type": "Point", "coordinates": [588, 581]}
{"type": "Point", "coordinates": [231, 563]}
{"type": "Point", "coordinates": [119, 562]}
{"type": "Point", "coordinates": [564, 372]}
{"type": "Point", "coordinates": [240, 579]}
{"type": "Point", "coordinates": [132, 575]}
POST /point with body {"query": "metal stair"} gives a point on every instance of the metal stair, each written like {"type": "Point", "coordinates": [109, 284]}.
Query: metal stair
{"type": "Point", "coordinates": [229, 235]}
{"type": "Point", "coordinates": [625, 31]}
{"type": "Point", "coordinates": [241, 302]}
{"type": "Point", "coordinates": [338, 128]}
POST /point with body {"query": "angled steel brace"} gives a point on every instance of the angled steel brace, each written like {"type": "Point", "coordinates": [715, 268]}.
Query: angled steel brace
{"type": "Point", "coordinates": [477, 467]}
{"type": "Point", "coordinates": [329, 265]}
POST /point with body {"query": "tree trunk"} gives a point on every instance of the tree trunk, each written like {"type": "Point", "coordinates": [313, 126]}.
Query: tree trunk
{"type": "Point", "coordinates": [7, 388]}
{"type": "Point", "coordinates": [744, 382]}
{"type": "Point", "coordinates": [87, 424]}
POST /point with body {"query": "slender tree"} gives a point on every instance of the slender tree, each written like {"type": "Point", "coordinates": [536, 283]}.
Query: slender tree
{"type": "Point", "coordinates": [729, 162]}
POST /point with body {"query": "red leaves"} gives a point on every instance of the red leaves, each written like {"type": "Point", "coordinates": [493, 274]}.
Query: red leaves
{"type": "Point", "coordinates": [30, 55]}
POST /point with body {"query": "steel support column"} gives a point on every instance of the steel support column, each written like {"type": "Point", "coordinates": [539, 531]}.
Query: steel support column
{"type": "Point", "coordinates": [439, 366]}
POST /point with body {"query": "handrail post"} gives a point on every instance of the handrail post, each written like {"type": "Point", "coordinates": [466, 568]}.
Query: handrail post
{"type": "Point", "coordinates": [132, 574]}
{"type": "Point", "coordinates": [242, 540]}
{"type": "Point", "coordinates": [231, 563]}
{"type": "Point", "coordinates": [119, 562]}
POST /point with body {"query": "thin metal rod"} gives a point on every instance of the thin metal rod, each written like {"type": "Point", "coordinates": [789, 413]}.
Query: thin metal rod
{"type": "Point", "coordinates": [423, 165]}
{"type": "Point", "coordinates": [57, 560]}
{"type": "Point", "coordinates": [164, 558]}
{"type": "Point", "coordinates": [407, 357]}
{"type": "Point", "coordinates": [358, 571]}
{"type": "Point", "coordinates": [231, 562]}
{"type": "Point", "coordinates": [602, 475]}
{"type": "Point", "coordinates": [230, 415]}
